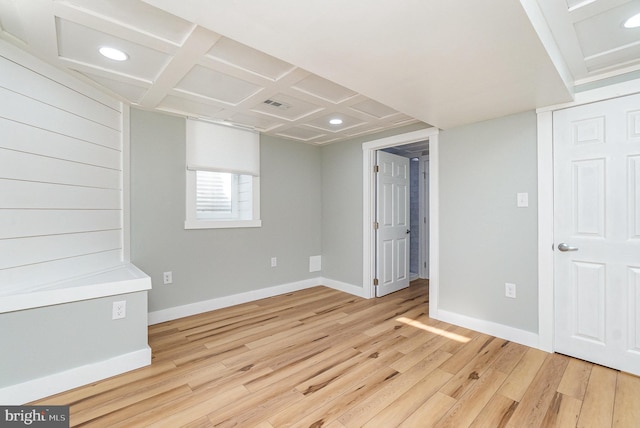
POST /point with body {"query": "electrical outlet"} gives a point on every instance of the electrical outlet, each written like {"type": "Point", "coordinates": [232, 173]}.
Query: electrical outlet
{"type": "Point", "coordinates": [510, 290]}
{"type": "Point", "coordinates": [119, 310]}
{"type": "Point", "coordinates": [274, 261]}
{"type": "Point", "coordinates": [167, 277]}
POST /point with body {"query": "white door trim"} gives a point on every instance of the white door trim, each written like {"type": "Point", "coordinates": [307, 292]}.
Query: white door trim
{"type": "Point", "coordinates": [423, 272]}
{"type": "Point", "coordinates": [545, 201]}
{"type": "Point", "coordinates": [368, 208]}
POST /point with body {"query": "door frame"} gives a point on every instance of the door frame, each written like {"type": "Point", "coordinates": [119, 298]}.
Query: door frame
{"type": "Point", "coordinates": [545, 201]}
{"type": "Point", "coordinates": [424, 212]}
{"type": "Point", "coordinates": [368, 208]}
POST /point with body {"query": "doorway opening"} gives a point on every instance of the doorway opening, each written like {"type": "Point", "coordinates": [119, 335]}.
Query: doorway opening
{"type": "Point", "coordinates": [418, 155]}
{"type": "Point", "coordinates": [370, 148]}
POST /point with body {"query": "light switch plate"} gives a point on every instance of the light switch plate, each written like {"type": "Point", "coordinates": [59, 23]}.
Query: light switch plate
{"type": "Point", "coordinates": [523, 200]}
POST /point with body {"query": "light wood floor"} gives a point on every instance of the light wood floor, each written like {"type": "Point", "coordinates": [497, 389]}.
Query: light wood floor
{"type": "Point", "coordinates": [322, 358]}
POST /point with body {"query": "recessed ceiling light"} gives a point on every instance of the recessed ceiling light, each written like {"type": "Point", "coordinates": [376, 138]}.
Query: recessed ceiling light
{"type": "Point", "coordinates": [113, 53]}
{"type": "Point", "coordinates": [336, 121]}
{"type": "Point", "coordinates": [632, 22]}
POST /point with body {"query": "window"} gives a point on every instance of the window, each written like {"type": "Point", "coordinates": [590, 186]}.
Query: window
{"type": "Point", "coordinates": [223, 181]}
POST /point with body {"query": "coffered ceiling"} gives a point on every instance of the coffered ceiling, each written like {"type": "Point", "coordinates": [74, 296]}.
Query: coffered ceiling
{"type": "Point", "coordinates": [286, 67]}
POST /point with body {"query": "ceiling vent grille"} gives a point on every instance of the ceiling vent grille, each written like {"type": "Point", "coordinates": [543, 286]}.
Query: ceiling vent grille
{"type": "Point", "coordinates": [277, 104]}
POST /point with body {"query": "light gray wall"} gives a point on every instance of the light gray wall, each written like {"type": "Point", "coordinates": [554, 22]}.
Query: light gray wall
{"type": "Point", "coordinates": [48, 340]}
{"type": "Point", "coordinates": [485, 240]}
{"type": "Point", "coordinates": [342, 206]}
{"type": "Point", "coordinates": [212, 263]}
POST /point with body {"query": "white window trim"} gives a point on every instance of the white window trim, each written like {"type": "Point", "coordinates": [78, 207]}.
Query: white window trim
{"type": "Point", "coordinates": [192, 222]}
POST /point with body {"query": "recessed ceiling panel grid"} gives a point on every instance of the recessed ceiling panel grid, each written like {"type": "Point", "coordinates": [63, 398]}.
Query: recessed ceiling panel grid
{"type": "Point", "coordinates": [605, 31]}
{"type": "Point", "coordinates": [138, 15]}
{"type": "Point", "coordinates": [286, 107]}
{"type": "Point", "coordinates": [373, 108]}
{"type": "Point", "coordinates": [248, 59]}
{"type": "Point", "coordinates": [323, 122]}
{"type": "Point", "coordinates": [323, 88]}
{"type": "Point", "coordinates": [215, 85]}
{"type": "Point", "coordinates": [188, 107]}
{"type": "Point", "coordinates": [133, 93]}
{"type": "Point", "coordinates": [79, 43]}
{"type": "Point", "coordinates": [301, 133]}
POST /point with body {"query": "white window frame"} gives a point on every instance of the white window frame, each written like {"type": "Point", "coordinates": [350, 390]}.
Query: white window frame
{"type": "Point", "coordinates": [192, 222]}
{"type": "Point", "coordinates": [234, 152]}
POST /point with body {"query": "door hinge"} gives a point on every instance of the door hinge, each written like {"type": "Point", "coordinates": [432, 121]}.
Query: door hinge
{"type": "Point", "coordinates": [376, 168]}
{"type": "Point", "coordinates": [376, 225]}
{"type": "Point", "coordinates": [375, 281]}
{"type": "Point", "coordinates": [425, 264]}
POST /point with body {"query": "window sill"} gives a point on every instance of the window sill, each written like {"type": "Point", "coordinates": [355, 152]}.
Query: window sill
{"type": "Point", "coordinates": [221, 224]}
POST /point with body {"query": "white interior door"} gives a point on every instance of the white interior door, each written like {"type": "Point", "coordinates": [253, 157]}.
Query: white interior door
{"type": "Point", "coordinates": [597, 232]}
{"type": "Point", "coordinates": [392, 215]}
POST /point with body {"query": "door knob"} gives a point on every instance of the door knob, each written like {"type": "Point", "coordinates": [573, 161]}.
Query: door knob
{"type": "Point", "coordinates": [408, 231]}
{"type": "Point", "coordinates": [566, 247]}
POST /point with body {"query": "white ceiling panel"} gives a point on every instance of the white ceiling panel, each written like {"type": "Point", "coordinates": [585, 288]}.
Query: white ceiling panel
{"type": "Point", "coordinates": [188, 107]}
{"type": "Point", "coordinates": [216, 85]}
{"type": "Point", "coordinates": [128, 91]}
{"type": "Point", "coordinates": [373, 108]}
{"type": "Point", "coordinates": [10, 20]}
{"type": "Point", "coordinates": [377, 65]}
{"type": "Point", "coordinates": [255, 121]}
{"type": "Point", "coordinates": [590, 31]}
{"type": "Point", "coordinates": [423, 58]}
{"type": "Point", "coordinates": [322, 88]}
{"type": "Point", "coordinates": [249, 59]}
{"type": "Point", "coordinates": [348, 122]}
{"type": "Point", "coordinates": [138, 15]}
{"type": "Point", "coordinates": [286, 107]}
{"type": "Point", "coordinates": [80, 44]}
{"type": "Point", "coordinates": [301, 133]}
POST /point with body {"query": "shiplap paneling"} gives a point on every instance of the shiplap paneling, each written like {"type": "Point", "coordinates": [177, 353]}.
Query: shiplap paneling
{"type": "Point", "coordinates": [40, 249]}
{"type": "Point", "coordinates": [22, 80]}
{"type": "Point", "coordinates": [19, 136]}
{"type": "Point", "coordinates": [30, 195]}
{"type": "Point", "coordinates": [29, 167]}
{"type": "Point", "coordinates": [61, 176]}
{"type": "Point", "coordinates": [26, 223]}
{"type": "Point", "coordinates": [21, 108]}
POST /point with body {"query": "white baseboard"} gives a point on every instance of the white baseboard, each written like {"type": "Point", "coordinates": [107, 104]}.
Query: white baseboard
{"type": "Point", "coordinates": [36, 389]}
{"type": "Point", "coordinates": [502, 331]}
{"type": "Point", "coordinates": [356, 290]}
{"type": "Point", "coordinates": [176, 312]}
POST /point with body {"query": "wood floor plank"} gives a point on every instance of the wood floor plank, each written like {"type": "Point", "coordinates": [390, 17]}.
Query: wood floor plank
{"type": "Point", "coordinates": [496, 413]}
{"type": "Point", "coordinates": [468, 375]}
{"type": "Point", "coordinates": [469, 406]}
{"type": "Point", "coordinates": [322, 358]}
{"type": "Point", "coordinates": [563, 411]}
{"type": "Point", "coordinates": [522, 375]}
{"type": "Point", "coordinates": [430, 412]}
{"type": "Point", "coordinates": [626, 413]}
{"type": "Point", "coordinates": [410, 401]}
{"type": "Point", "coordinates": [509, 357]}
{"type": "Point", "coordinates": [363, 412]}
{"type": "Point", "coordinates": [536, 401]}
{"type": "Point", "coordinates": [470, 350]}
{"type": "Point", "coordinates": [575, 379]}
{"type": "Point", "coordinates": [598, 400]}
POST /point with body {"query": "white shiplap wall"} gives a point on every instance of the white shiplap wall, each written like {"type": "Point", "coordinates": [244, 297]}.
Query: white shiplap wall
{"type": "Point", "coordinates": [61, 175]}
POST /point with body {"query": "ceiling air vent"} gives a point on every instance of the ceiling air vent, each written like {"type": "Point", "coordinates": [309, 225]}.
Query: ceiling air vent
{"type": "Point", "coordinates": [277, 104]}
